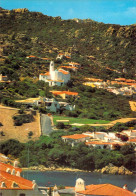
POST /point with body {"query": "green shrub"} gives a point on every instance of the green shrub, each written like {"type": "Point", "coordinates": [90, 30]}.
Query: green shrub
{"type": "Point", "coordinates": [24, 118]}
{"type": "Point", "coordinates": [60, 125]}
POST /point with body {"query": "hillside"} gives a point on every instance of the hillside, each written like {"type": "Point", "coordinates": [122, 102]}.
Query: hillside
{"type": "Point", "coordinates": [17, 132]}
{"type": "Point", "coordinates": [24, 33]}
{"type": "Point", "coordinates": [104, 51]}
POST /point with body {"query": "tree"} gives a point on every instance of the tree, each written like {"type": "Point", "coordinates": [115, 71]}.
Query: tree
{"type": "Point", "coordinates": [127, 149]}
{"type": "Point", "coordinates": [60, 125]}
{"type": "Point", "coordinates": [30, 134]}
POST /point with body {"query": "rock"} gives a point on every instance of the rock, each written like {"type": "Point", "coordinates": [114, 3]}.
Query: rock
{"type": "Point", "coordinates": [21, 10]}
{"type": "Point", "coordinates": [111, 169]}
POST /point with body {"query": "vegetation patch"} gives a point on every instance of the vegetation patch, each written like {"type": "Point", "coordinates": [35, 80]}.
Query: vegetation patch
{"type": "Point", "coordinates": [24, 118]}
{"type": "Point", "coordinates": [73, 120]}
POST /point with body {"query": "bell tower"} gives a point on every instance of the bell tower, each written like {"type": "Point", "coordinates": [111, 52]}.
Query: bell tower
{"type": "Point", "coordinates": [80, 185]}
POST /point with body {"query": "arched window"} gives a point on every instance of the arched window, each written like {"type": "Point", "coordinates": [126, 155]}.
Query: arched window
{"type": "Point", "coordinates": [22, 194]}
{"type": "Point", "coordinates": [8, 171]}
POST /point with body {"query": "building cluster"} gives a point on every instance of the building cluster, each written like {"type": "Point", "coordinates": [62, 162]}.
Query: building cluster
{"type": "Point", "coordinates": [127, 86]}
{"type": "Point", "coordinates": [32, 57]}
{"type": "Point", "coordinates": [50, 104]}
{"type": "Point", "coordinates": [4, 79]}
{"type": "Point", "coordinates": [102, 140]}
{"type": "Point", "coordinates": [55, 77]}
{"type": "Point", "coordinates": [11, 183]}
{"type": "Point", "coordinates": [81, 189]}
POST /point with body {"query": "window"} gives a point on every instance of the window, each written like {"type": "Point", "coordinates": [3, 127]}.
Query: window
{"type": "Point", "coordinates": [22, 194]}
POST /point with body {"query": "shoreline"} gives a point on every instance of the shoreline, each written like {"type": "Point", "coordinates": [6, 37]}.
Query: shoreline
{"type": "Point", "coordinates": [41, 168]}
{"type": "Point", "coordinates": [38, 168]}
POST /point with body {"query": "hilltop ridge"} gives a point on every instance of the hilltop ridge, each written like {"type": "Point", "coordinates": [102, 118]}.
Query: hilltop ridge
{"type": "Point", "coordinates": [26, 33]}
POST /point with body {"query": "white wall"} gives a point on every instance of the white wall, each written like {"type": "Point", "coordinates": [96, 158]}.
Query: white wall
{"type": "Point", "coordinates": [18, 192]}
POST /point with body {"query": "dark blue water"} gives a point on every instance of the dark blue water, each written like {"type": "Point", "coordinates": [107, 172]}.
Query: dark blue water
{"type": "Point", "coordinates": [49, 178]}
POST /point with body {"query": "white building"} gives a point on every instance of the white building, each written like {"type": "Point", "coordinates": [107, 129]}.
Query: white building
{"type": "Point", "coordinates": [3, 78]}
{"type": "Point", "coordinates": [55, 77]}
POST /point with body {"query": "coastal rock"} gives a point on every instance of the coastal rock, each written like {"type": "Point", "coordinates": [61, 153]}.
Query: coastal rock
{"type": "Point", "coordinates": [111, 169]}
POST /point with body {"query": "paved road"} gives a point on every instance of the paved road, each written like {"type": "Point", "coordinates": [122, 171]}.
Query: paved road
{"type": "Point", "coordinates": [46, 125]}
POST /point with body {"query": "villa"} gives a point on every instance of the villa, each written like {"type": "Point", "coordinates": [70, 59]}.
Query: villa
{"type": "Point", "coordinates": [75, 139]}
{"type": "Point", "coordinates": [55, 77]}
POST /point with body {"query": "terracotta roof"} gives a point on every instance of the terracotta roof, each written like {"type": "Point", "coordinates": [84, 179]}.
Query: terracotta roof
{"type": "Point", "coordinates": [132, 140]}
{"type": "Point", "coordinates": [45, 58]}
{"type": "Point", "coordinates": [45, 74]}
{"type": "Point", "coordinates": [120, 79]}
{"type": "Point", "coordinates": [68, 57]}
{"type": "Point", "coordinates": [129, 80]}
{"type": "Point", "coordinates": [31, 56]}
{"type": "Point", "coordinates": [94, 79]}
{"type": "Point", "coordinates": [9, 180]}
{"type": "Point", "coordinates": [4, 167]}
{"type": "Point", "coordinates": [106, 189]}
{"type": "Point", "coordinates": [98, 133]}
{"type": "Point", "coordinates": [69, 67]}
{"type": "Point", "coordinates": [64, 92]}
{"type": "Point", "coordinates": [74, 63]}
{"type": "Point", "coordinates": [60, 54]}
{"type": "Point", "coordinates": [63, 71]}
{"type": "Point", "coordinates": [75, 136]}
{"type": "Point", "coordinates": [103, 143]}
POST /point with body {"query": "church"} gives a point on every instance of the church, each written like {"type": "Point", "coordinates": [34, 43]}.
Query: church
{"type": "Point", "coordinates": [55, 77]}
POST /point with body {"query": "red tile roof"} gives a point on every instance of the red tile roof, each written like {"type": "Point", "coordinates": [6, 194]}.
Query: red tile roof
{"type": "Point", "coordinates": [64, 92]}
{"type": "Point", "coordinates": [9, 180]}
{"type": "Point", "coordinates": [45, 74]}
{"type": "Point", "coordinates": [74, 63]}
{"type": "Point", "coordinates": [104, 143]}
{"type": "Point", "coordinates": [94, 79]}
{"type": "Point", "coordinates": [4, 167]}
{"type": "Point", "coordinates": [68, 57]}
{"type": "Point", "coordinates": [60, 54]}
{"type": "Point", "coordinates": [120, 79]}
{"type": "Point", "coordinates": [132, 140]}
{"type": "Point", "coordinates": [69, 67]}
{"type": "Point", "coordinates": [75, 136]}
{"type": "Point", "coordinates": [63, 71]}
{"type": "Point", "coordinates": [31, 56]}
{"type": "Point", "coordinates": [45, 58]}
{"type": "Point", "coordinates": [105, 189]}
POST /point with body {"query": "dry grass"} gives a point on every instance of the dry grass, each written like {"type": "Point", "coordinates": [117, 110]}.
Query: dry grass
{"type": "Point", "coordinates": [17, 132]}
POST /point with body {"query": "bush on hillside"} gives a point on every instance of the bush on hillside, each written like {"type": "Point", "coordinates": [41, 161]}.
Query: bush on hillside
{"type": "Point", "coordinates": [24, 118]}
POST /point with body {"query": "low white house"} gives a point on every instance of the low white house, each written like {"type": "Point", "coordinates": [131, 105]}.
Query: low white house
{"type": "Point", "coordinates": [103, 145]}
{"type": "Point", "coordinates": [55, 77]}
{"type": "Point", "coordinates": [76, 138]}
{"type": "Point", "coordinates": [66, 106]}
{"type": "Point", "coordinates": [51, 104]}
{"type": "Point", "coordinates": [3, 78]}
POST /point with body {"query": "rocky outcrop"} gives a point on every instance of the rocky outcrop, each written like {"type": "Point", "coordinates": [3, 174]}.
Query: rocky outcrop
{"type": "Point", "coordinates": [111, 169]}
{"type": "Point", "coordinates": [52, 168]}
{"type": "Point", "coordinates": [21, 10]}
